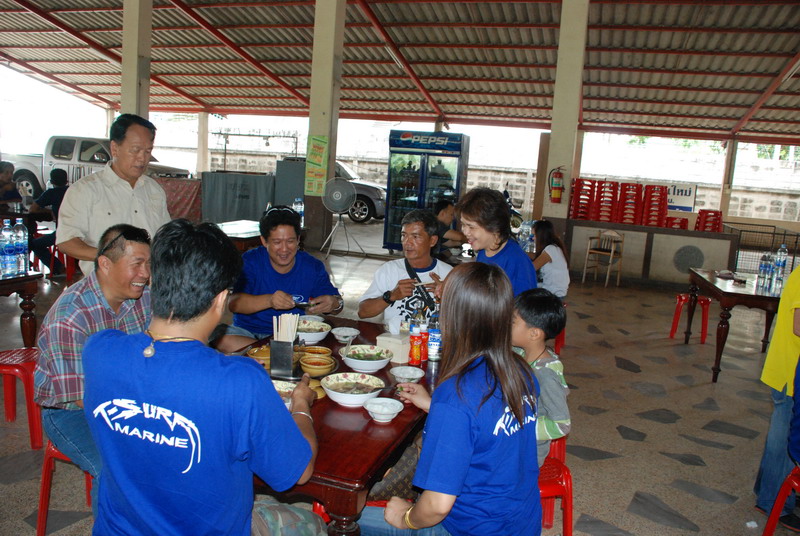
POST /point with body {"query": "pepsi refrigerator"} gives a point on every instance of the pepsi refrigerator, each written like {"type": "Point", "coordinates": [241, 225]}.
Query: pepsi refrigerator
{"type": "Point", "coordinates": [424, 167]}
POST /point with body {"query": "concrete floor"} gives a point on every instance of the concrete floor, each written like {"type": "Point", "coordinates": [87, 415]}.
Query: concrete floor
{"type": "Point", "coordinates": [656, 448]}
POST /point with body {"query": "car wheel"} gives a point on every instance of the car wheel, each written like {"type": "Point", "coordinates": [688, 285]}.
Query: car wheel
{"type": "Point", "coordinates": [362, 210]}
{"type": "Point", "coordinates": [27, 184]}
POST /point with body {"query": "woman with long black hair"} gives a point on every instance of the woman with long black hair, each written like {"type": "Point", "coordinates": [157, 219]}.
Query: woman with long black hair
{"type": "Point", "coordinates": [478, 462]}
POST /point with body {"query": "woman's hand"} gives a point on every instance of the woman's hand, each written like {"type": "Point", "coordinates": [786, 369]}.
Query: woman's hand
{"type": "Point", "coordinates": [395, 510]}
{"type": "Point", "coordinates": [415, 394]}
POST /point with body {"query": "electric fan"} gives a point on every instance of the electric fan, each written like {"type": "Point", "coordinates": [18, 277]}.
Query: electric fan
{"type": "Point", "coordinates": [338, 197]}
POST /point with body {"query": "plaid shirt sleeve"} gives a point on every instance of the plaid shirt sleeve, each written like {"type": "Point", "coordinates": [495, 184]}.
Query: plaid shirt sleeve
{"type": "Point", "coordinates": [61, 344]}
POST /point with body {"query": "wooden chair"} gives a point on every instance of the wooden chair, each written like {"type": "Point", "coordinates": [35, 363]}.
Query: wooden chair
{"type": "Point", "coordinates": [555, 480]}
{"type": "Point", "coordinates": [606, 247]}
{"type": "Point", "coordinates": [51, 454]}
{"type": "Point", "coordinates": [792, 483]}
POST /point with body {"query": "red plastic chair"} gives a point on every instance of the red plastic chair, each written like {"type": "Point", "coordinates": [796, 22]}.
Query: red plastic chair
{"type": "Point", "coordinates": [680, 301]}
{"type": "Point", "coordinates": [561, 339]}
{"type": "Point", "coordinates": [68, 262]}
{"type": "Point", "coordinates": [555, 480]}
{"type": "Point", "coordinates": [51, 454]}
{"type": "Point", "coordinates": [21, 363]}
{"type": "Point", "coordinates": [792, 483]}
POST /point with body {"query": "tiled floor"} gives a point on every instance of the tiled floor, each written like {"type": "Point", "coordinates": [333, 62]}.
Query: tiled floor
{"type": "Point", "coordinates": [656, 448]}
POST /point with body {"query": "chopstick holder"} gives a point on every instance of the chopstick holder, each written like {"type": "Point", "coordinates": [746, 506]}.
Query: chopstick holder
{"type": "Point", "coordinates": [281, 358]}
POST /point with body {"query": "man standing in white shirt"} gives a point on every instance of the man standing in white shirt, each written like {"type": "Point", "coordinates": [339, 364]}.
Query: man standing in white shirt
{"type": "Point", "coordinates": [119, 193]}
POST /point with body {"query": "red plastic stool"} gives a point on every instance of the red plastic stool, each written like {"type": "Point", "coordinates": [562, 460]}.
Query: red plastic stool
{"type": "Point", "coordinates": [681, 299]}
{"type": "Point", "coordinates": [21, 363]}
{"type": "Point", "coordinates": [555, 480]}
{"type": "Point", "coordinates": [792, 483]}
{"type": "Point", "coordinates": [561, 339]}
{"type": "Point", "coordinates": [51, 454]}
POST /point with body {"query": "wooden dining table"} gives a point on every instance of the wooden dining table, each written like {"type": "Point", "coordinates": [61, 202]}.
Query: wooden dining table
{"type": "Point", "coordinates": [742, 289]}
{"type": "Point", "coordinates": [26, 286]}
{"type": "Point", "coordinates": [354, 451]}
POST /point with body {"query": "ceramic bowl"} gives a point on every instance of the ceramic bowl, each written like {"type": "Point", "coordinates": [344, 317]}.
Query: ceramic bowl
{"type": "Point", "coordinates": [285, 391]}
{"type": "Point", "coordinates": [344, 334]}
{"type": "Point", "coordinates": [407, 374]}
{"type": "Point", "coordinates": [316, 331]}
{"type": "Point", "coordinates": [383, 410]}
{"type": "Point", "coordinates": [317, 365]}
{"type": "Point", "coordinates": [366, 357]}
{"type": "Point", "coordinates": [340, 388]}
{"type": "Point", "coordinates": [316, 350]}
{"type": "Point", "coordinates": [311, 318]}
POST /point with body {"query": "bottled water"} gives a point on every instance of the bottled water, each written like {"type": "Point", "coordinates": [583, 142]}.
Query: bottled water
{"type": "Point", "coordinates": [780, 263]}
{"type": "Point", "coordinates": [8, 260]}
{"type": "Point", "coordinates": [300, 207]}
{"type": "Point", "coordinates": [434, 339]}
{"type": "Point", "coordinates": [21, 246]}
{"type": "Point", "coordinates": [524, 234]}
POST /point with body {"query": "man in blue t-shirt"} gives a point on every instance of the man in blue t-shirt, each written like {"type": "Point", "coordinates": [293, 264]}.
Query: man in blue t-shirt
{"type": "Point", "coordinates": [182, 432]}
{"type": "Point", "coordinates": [277, 278]}
{"type": "Point", "coordinates": [50, 200]}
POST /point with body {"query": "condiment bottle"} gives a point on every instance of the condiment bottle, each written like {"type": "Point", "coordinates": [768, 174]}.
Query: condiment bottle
{"type": "Point", "coordinates": [423, 331]}
{"type": "Point", "coordinates": [415, 351]}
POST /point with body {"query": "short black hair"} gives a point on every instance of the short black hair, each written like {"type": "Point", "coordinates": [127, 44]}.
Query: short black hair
{"type": "Point", "coordinates": [113, 241]}
{"type": "Point", "coordinates": [542, 309]}
{"type": "Point", "coordinates": [276, 216]}
{"type": "Point", "coordinates": [121, 124]}
{"type": "Point", "coordinates": [487, 208]}
{"type": "Point", "coordinates": [190, 265]}
{"type": "Point", "coordinates": [441, 204]}
{"type": "Point", "coordinates": [5, 166]}
{"type": "Point", "coordinates": [425, 217]}
{"type": "Point", "coordinates": [58, 177]}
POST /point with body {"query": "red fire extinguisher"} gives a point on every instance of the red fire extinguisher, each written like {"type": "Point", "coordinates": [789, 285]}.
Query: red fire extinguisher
{"type": "Point", "coordinates": [555, 181]}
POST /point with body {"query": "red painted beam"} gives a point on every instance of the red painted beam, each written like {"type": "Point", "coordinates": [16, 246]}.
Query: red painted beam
{"type": "Point", "coordinates": [203, 23]}
{"type": "Point", "coordinates": [98, 48]}
{"type": "Point", "coordinates": [688, 29]}
{"type": "Point", "coordinates": [776, 82]}
{"type": "Point", "coordinates": [394, 51]}
{"type": "Point", "coordinates": [44, 74]}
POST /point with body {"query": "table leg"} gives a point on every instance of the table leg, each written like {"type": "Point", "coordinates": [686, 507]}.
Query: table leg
{"type": "Point", "coordinates": [768, 326]}
{"type": "Point", "coordinates": [27, 321]}
{"type": "Point", "coordinates": [693, 289]}
{"type": "Point", "coordinates": [722, 337]}
{"type": "Point", "coordinates": [343, 526]}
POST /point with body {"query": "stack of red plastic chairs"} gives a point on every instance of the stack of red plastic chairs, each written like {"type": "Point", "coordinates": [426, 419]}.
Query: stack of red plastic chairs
{"type": "Point", "coordinates": [677, 223]}
{"type": "Point", "coordinates": [629, 204]}
{"type": "Point", "coordinates": [654, 205]}
{"type": "Point", "coordinates": [606, 196]}
{"type": "Point", "coordinates": [581, 199]}
{"type": "Point", "coordinates": [709, 220]}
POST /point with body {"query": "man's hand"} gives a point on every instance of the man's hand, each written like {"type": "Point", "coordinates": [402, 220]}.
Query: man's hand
{"type": "Point", "coordinates": [437, 286]}
{"type": "Point", "coordinates": [403, 289]}
{"type": "Point", "coordinates": [282, 301]}
{"type": "Point", "coordinates": [323, 304]}
{"type": "Point", "coordinates": [303, 396]}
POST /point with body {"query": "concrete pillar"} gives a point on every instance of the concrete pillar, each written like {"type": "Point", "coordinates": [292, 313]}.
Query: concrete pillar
{"type": "Point", "coordinates": [202, 143]}
{"type": "Point", "coordinates": [727, 179]}
{"type": "Point", "coordinates": [137, 23]}
{"type": "Point", "coordinates": [110, 116]}
{"type": "Point", "coordinates": [323, 116]}
{"type": "Point", "coordinates": [567, 97]}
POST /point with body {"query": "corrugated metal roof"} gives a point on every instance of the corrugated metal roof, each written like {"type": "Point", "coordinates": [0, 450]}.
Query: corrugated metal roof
{"type": "Point", "coordinates": [691, 68]}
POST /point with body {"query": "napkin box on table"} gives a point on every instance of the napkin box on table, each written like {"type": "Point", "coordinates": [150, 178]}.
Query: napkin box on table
{"type": "Point", "coordinates": [398, 344]}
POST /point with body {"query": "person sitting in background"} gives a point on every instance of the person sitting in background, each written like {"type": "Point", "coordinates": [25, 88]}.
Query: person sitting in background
{"type": "Point", "coordinates": [539, 316]}
{"type": "Point", "coordinates": [275, 279]}
{"type": "Point", "coordinates": [8, 188]}
{"type": "Point", "coordinates": [182, 431]}
{"type": "Point", "coordinates": [50, 201]}
{"type": "Point", "coordinates": [445, 212]}
{"type": "Point", "coordinates": [486, 223]}
{"type": "Point", "coordinates": [551, 258]}
{"type": "Point", "coordinates": [394, 290]}
{"type": "Point", "coordinates": [779, 373]}
{"type": "Point", "coordinates": [476, 466]}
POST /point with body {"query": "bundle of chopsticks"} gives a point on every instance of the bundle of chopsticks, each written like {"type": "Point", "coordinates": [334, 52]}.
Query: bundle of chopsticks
{"type": "Point", "coordinates": [284, 327]}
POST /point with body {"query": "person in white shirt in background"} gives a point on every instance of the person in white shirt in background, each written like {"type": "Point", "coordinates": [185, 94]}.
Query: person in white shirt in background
{"type": "Point", "coordinates": [551, 259]}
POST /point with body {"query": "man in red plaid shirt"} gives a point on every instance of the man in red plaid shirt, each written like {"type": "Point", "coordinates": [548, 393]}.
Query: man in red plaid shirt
{"type": "Point", "coordinates": [113, 295]}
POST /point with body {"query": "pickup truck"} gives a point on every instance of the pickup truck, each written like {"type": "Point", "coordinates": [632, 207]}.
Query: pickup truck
{"type": "Point", "coordinates": [78, 156]}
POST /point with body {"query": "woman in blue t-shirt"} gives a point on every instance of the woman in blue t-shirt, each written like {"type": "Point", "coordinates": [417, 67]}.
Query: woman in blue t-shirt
{"type": "Point", "coordinates": [486, 224]}
{"type": "Point", "coordinates": [478, 462]}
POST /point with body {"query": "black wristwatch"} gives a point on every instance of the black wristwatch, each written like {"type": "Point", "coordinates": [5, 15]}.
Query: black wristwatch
{"type": "Point", "coordinates": [387, 297]}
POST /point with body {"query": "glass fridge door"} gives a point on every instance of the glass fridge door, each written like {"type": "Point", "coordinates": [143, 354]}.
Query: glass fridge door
{"type": "Point", "coordinates": [440, 182]}
{"type": "Point", "coordinates": [404, 182]}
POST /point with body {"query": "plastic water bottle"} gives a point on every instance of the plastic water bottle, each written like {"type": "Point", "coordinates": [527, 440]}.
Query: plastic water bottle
{"type": "Point", "coordinates": [21, 246]}
{"type": "Point", "coordinates": [300, 207]}
{"type": "Point", "coordinates": [780, 263]}
{"type": "Point", "coordinates": [770, 275]}
{"type": "Point", "coordinates": [434, 339]}
{"type": "Point", "coordinates": [8, 260]}
{"type": "Point", "coordinates": [763, 269]}
{"type": "Point", "coordinates": [524, 234]}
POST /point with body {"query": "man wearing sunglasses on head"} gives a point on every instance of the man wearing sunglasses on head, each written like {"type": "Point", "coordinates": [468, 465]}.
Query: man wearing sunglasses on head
{"type": "Point", "coordinates": [277, 278]}
{"type": "Point", "coordinates": [113, 295]}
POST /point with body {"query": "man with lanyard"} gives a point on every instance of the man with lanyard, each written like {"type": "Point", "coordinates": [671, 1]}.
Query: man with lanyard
{"type": "Point", "coordinates": [402, 287]}
{"type": "Point", "coordinates": [113, 295]}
